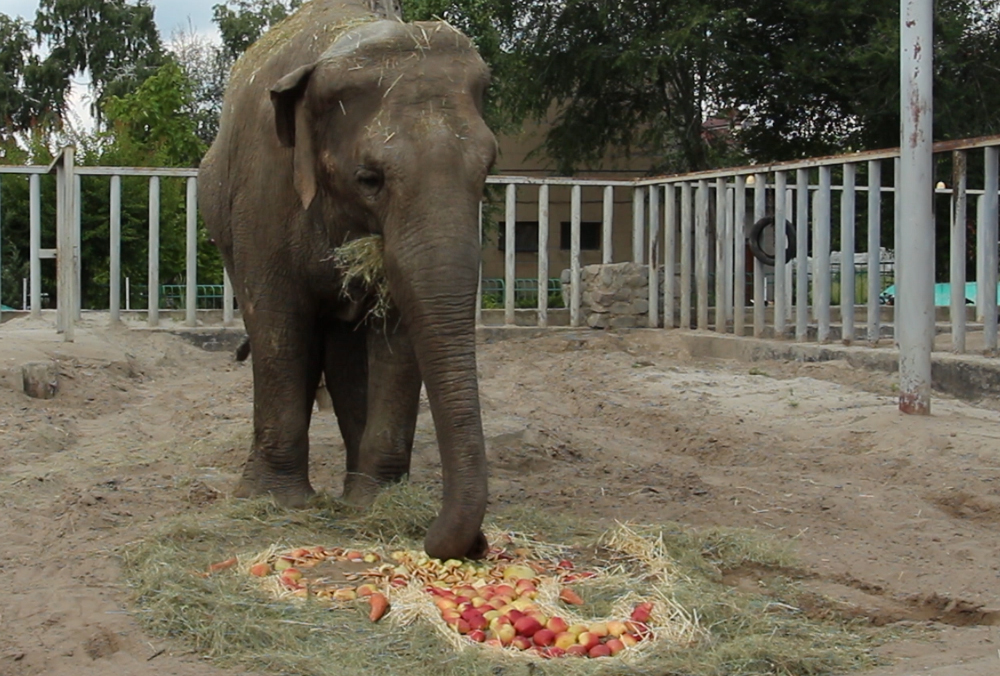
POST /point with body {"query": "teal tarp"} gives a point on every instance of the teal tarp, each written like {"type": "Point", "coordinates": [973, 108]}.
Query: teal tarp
{"type": "Point", "coordinates": [942, 293]}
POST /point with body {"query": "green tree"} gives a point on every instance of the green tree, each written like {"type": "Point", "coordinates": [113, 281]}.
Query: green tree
{"type": "Point", "coordinates": [241, 22]}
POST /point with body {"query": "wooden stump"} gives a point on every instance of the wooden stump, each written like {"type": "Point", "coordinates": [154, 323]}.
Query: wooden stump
{"type": "Point", "coordinates": [41, 379]}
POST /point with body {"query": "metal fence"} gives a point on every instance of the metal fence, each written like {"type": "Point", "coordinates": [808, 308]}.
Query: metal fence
{"type": "Point", "coordinates": [689, 228]}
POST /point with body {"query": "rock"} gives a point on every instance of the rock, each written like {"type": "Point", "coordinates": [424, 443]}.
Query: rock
{"type": "Point", "coordinates": [621, 308]}
{"type": "Point", "coordinates": [623, 322]}
{"type": "Point", "coordinates": [597, 320]}
{"type": "Point", "coordinates": [41, 379]}
{"type": "Point", "coordinates": [640, 306]}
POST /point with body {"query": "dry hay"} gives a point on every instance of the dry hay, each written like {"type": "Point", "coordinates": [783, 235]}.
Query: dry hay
{"type": "Point", "coordinates": [362, 264]}
{"type": "Point", "coordinates": [720, 630]}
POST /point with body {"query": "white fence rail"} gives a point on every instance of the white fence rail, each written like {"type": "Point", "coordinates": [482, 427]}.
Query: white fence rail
{"type": "Point", "coordinates": [691, 229]}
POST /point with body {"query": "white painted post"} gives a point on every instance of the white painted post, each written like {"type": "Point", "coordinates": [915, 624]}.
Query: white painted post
{"type": "Point", "coordinates": [980, 258]}
{"type": "Point", "coordinates": [720, 255]}
{"type": "Point", "coordinates": [35, 238]}
{"type": "Point", "coordinates": [607, 236]}
{"type": "Point", "coordinates": [114, 292]}
{"type": "Point", "coordinates": [153, 277]}
{"type": "Point", "coordinates": [638, 222]}
{"type": "Point", "coordinates": [128, 294]}
{"type": "Point", "coordinates": [543, 256]}
{"type": "Point", "coordinates": [728, 260]}
{"type": "Point", "coordinates": [65, 259]}
{"type": "Point", "coordinates": [739, 255]}
{"type": "Point", "coordinates": [874, 249]}
{"type": "Point", "coordinates": [227, 299]}
{"type": "Point", "coordinates": [959, 203]}
{"type": "Point", "coordinates": [510, 255]}
{"type": "Point", "coordinates": [897, 243]}
{"type": "Point", "coordinates": [687, 224]}
{"type": "Point", "coordinates": [669, 254]}
{"type": "Point", "coordinates": [847, 204]}
{"type": "Point", "coordinates": [191, 303]}
{"type": "Point", "coordinates": [759, 303]}
{"type": "Point", "coordinates": [574, 235]}
{"type": "Point", "coordinates": [701, 253]}
{"type": "Point", "coordinates": [77, 248]}
{"type": "Point", "coordinates": [821, 256]}
{"type": "Point", "coordinates": [801, 254]}
{"type": "Point", "coordinates": [990, 238]}
{"type": "Point", "coordinates": [780, 247]}
{"type": "Point", "coordinates": [915, 259]}
{"type": "Point", "coordinates": [653, 279]}
{"type": "Point", "coordinates": [1, 253]}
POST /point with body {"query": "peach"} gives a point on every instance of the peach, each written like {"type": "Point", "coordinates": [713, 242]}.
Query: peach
{"type": "Point", "coordinates": [628, 640]}
{"type": "Point", "coordinates": [260, 570]}
{"type": "Point", "coordinates": [513, 615]}
{"type": "Point", "coordinates": [478, 602]}
{"type": "Point", "coordinates": [505, 633]}
{"type": "Point", "coordinates": [615, 646]}
{"type": "Point", "coordinates": [616, 628]}
{"type": "Point", "coordinates": [599, 650]}
{"type": "Point", "coordinates": [544, 637]}
{"type": "Point", "coordinates": [587, 639]}
{"type": "Point", "coordinates": [444, 604]}
{"type": "Point", "coordinates": [477, 635]}
{"type": "Point", "coordinates": [491, 615]}
{"type": "Point", "coordinates": [557, 624]}
{"type": "Point", "coordinates": [598, 629]}
{"type": "Point", "coordinates": [505, 590]}
{"type": "Point", "coordinates": [577, 650]}
{"type": "Point", "coordinates": [527, 626]}
{"type": "Point", "coordinates": [462, 626]}
{"type": "Point", "coordinates": [292, 574]}
{"type": "Point", "coordinates": [577, 629]}
{"type": "Point", "coordinates": [521, 642]}
{"type": "Point", "coordinates": [564, 640]}
{"type": "Point", "coordinates": [524, 586]}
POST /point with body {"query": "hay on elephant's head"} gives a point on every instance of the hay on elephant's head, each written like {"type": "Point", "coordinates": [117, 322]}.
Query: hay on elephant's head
{"type": "Point", "coordinates": [362, 263]}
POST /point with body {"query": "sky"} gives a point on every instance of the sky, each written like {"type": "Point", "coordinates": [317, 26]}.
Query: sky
{"type": "Point", "coordinates": [170, 14]}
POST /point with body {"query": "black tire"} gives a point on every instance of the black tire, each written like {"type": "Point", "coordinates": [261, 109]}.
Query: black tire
{"type": "Point", "coordinates": [756, 234]}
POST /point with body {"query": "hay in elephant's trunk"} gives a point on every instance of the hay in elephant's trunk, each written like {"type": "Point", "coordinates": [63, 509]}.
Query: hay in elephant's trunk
{"type": "Point", "coordinates": [362, 264]}
{"type": "Point", "coordinates": [703, 627]}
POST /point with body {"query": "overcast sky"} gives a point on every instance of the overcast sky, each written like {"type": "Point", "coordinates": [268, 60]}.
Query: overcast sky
{"type": "Point", "coordinates": [170, 14]}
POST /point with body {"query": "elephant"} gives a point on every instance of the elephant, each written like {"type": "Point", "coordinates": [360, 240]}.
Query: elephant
{"type": "Point", "coordinates": [344, 123]}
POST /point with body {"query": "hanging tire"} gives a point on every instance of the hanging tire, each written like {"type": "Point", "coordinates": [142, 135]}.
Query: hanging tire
{"type": "Point", "coordinates": [756, 235]}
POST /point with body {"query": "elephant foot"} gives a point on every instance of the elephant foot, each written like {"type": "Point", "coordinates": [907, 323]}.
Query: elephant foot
{"type": "Point", "coordinates": [294, 494]}
{"type": "Point", "coordinates": [440, 545]}
{"type": "Point", "coordinates": [360, 490]}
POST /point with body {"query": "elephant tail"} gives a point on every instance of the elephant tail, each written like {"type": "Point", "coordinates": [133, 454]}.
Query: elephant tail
{"type": "Point", "coordinates": [243, 349]}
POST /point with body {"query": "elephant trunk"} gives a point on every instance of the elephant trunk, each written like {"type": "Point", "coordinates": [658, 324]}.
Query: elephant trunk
{"type": "Point", "coordinates": [433, 269]}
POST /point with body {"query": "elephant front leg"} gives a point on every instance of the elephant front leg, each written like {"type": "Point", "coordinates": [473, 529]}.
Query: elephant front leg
{"type": "Point", "coordinates": [286, 369]}
{"type": "Point", "coordinates": [393, 402]}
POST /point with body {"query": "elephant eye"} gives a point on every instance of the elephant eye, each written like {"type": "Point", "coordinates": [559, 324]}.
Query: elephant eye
{"type": "Point", "coordinates": [370, 180]}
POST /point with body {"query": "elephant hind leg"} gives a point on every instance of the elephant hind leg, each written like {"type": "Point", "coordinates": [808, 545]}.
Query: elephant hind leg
{"type": "Point", "coordinates": [346, 375]}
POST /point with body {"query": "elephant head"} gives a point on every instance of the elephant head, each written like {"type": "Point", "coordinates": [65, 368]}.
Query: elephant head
{"type": "Point", "coordinates": [386, 133]}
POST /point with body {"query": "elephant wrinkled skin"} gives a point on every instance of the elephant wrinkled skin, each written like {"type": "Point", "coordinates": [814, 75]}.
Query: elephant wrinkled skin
{"type": "Point", "coordinates": [337, 125]}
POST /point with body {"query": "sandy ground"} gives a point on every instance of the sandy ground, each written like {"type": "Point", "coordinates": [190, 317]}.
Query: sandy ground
{"type": "Point", "coordinates": [895, 516]}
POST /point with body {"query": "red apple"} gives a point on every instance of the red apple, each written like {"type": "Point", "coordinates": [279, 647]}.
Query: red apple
{"type": "Point", "coordinates": [557, 624]}
{"type": "Point", "coordinates": [628, 640]}
{"type": "Point", "coordinates": [527, 626]}
{"type": "Point", "coordinates": [642, 612]}
{"type": "Point", "coordinates": [544, 637]}
{"type": "Point", "coordinates": [577, 650]}
{"type": "Point", "coordinates": [260, 570]}
{"type": "Point", "coordinates": [521, 642]}
{"type": "Point", "coordinates": [615, 646]}
{"type": "Point", "coordinates": [588, 640]}
{"type": "Point", "coordinates": [477, 635]}
{"type": "Point", "coordinates": [553, 651]}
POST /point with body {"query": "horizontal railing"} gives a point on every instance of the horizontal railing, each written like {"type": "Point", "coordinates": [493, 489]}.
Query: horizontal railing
{"type": "Point", "coordinates": [690, 228]}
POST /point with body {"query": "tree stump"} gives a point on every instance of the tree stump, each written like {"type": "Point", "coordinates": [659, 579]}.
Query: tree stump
{"type": "Point", "coordinates": [41, 379]}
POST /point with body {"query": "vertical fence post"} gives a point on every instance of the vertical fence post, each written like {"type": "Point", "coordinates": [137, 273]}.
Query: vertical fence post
{"type": "Point", "coordinates": [1, 251]}
{"type": "Point", "coordinates": [956, 273]}
{"type": "Point", "coordinates": [227, 299]}
{"type": "Point", "coordinates": [153, 276]}
{"type": "Point", "coordinates": [638, 222]}
{"type": "Point", "coordinates": [65, 258]}
{"type": "Point", "coordinates": [822, 255]}
{"type": "Point", "coordinates": [686, 232]}
{"type": "Point", "coordinates": [897, 244]}
{"type": "Point", "coordinates": [739, 255]}
{"type": "Point", "coordinates": [874, 249]}
{"type": "Point", "coordinates": [543, 255]}
{"type": "Point", "coordinates": [191, 302]}
{"type": "Point", "coordinates": [780, 259]}
{"type": "Point", "coordinates": [653, 278]}
{"type": "Point", "coordinates": [114, 292]}
{"type": "Point", "coordinates": [669, 253]}
{"type": "Point", "coordinates": [607, 235]}
{"type": "Point", "coordinates": [510, 254]}
{"type": "Point", "coordinates": [77, 247]}
{"type": "Point", "coordinates": [728, 260]}
{"type": "Point", "coordinates": [915, 314]}
{"type": "Point", "coordinates": [574, 235]}
{"type": "Point", "coordinates": [980, 257]}
{"type": "Point", "coordinates": [989, 235]}
{"type": "Point", "coordinates": [35, 238]}
{"type": "Point", "coordinates": [847, 204]}
{"type": "Point", "coordinates": [720, 255]}
{"type": "Point", "coordinates": [759, 290]}
{"type": "Point", "coordinates": [701, 252]}
{"type": "Point", "coordinates": [801, 254]}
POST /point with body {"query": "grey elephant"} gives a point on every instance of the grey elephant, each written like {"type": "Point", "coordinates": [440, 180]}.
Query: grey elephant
{"type": "Point", "coordinates": [337, 125]}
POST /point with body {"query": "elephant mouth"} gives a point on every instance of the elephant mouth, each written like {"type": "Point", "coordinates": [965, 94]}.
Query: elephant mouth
{"type": "Point", "coordinates": [362, 263]}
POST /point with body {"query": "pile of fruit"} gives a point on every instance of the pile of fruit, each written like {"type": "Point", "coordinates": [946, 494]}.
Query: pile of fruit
{"type": "Point", "coordinates": [509, 600]}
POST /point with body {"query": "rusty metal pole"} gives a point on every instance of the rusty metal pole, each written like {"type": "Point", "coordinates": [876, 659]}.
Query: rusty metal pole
{"type": "Point", "coordinates": [916, 281]}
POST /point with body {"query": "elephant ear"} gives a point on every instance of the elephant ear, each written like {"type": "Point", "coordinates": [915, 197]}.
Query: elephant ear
{"type": "Point", "coordinates": [291, 123]}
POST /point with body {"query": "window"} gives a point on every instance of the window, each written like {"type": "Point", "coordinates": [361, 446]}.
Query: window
{"type": "Point", "coordinates": [590, 236]}
{"type": "Point", "coordinates": [525, 236]}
